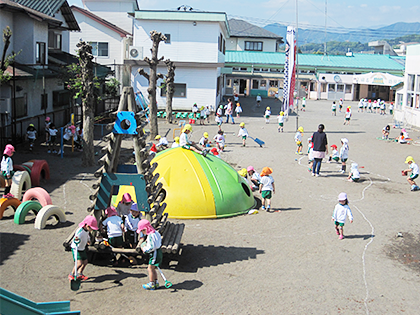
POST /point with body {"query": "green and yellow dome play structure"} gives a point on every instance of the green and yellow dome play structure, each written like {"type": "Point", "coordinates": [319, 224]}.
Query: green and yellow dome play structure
{"type": "Point", "coordinates": [200, 187]}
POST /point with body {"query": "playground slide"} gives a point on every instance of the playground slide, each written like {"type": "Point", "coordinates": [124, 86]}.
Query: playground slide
{"type": "Point", "coordinates": [13, 304]}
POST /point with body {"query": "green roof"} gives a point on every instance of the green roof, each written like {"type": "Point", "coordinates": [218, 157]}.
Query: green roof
{"type": "Point", "coordinates": [357, 61]}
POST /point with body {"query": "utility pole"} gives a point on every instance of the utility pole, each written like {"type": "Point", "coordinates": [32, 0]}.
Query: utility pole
{"type": "Point", "coordinates": [297, 66]}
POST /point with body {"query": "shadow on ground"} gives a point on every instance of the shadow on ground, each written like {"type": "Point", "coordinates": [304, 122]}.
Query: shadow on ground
{"type": "Point", "coordinates": [9, 243]}
{"type": "Point", "coordinates": [405, 249]}
{"type": "Point", "coordinates": [213, 256]}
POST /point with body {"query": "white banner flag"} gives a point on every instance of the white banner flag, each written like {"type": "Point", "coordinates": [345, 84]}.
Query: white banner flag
{"type": "Point", "coordinates": [289, 70]}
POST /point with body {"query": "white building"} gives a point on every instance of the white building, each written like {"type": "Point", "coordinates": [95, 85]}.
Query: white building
{"type": "Point", "coordinates": [195, 42]}
{"type": "Point", "coordinates": [407, 103]}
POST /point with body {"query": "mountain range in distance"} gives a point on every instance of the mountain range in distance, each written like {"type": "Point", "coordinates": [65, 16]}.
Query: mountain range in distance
{"type": "Point", "coordinates": [362, 35]}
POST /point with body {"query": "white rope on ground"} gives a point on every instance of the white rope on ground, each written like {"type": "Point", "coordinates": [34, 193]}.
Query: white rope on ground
{"type": "Point", "coordinates": [64, 196]}
{"type": "Point", "coordinates": [366, 246]}
{"type": "Point", "coordinates": [81, 181]}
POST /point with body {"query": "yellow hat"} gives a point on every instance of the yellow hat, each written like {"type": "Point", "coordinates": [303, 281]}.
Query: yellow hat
{"type": "Point", "coordinates": [176, 139]}
{"type": "Point", "coordinates": [31, 125]}
{"type": "Point", "coordinates": [242, 124]}
{"type": "Point", "coordinates": [268, 108]}
{"type": "Point", "coordinates": [281, 113]}
{"type": "Point", "coordinates": [187, 127]}
{"type": "Point", "coordinates": [349, 106]}
{"type": "Point", "coordinates": [202, 107]}
{"type": "Point", "coordinates": [300, 129]}
{"type": "Point", "coordinates": [157, 137]}
{"type": "Point", "coordinates": [243, 172]}
{"type": "Point", "coordinates": [206, 135]}
{"type": "Point", "coordinates": [409, 159]}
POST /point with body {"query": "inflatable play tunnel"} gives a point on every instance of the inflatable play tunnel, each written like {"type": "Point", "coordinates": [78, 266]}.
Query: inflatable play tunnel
{"type": "Point", "coordinates": [200, 187]}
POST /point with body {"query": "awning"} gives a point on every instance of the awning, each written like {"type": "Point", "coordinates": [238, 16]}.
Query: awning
{"type": "Point", "coordinates": [377, 78]}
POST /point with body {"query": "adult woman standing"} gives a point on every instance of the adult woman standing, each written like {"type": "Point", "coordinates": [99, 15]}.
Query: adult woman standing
{"type": "Point", "coordinates": [320, 149]}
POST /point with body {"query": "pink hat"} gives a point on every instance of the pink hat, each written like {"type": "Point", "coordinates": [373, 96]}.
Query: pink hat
{"type": "Point", "coordinates": [9, 149]}
{"type": "Point", "coordinates": [250, 168]}
{"type": "Point", "coordinates": [110, 211]}
{"type": "Point", "coordinates": [127, 198]}
{"type": "Point", "coordinates": [47, 119]}
{"type": "Point", "coordinates": [90, 221]}
{"type": "Point", "coordinates": [144, 224]}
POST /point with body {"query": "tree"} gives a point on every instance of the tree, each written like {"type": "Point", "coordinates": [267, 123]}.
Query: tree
{"type": "Point", "coordinates": [84, 84]}
{"type": "Point", "coordinates": [156, 38]}
{"type": "Point", "coordinates": [170, 88]}
{"type": "Point", "coordinates": [112, 87]}
{"type": "Point", "coordinates": [5, 61]}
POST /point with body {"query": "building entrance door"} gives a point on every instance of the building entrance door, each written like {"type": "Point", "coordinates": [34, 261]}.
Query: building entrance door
{"type": "Point", "coordinates": [242, 86]}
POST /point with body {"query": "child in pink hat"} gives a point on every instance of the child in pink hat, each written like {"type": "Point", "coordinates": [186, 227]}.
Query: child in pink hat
{"type": "Point", "coordinates": [124, 206]}
{"type": "Point", "coordinates": [152, 247]}
{"type": "Point", "coordinates": [80, 241]}
{"type": "Point", "coordinates": [7, 169]}
{"type": "Point", "coordinates": [340, 214]}
{"type": "Point", "coordinates": [115, 227]}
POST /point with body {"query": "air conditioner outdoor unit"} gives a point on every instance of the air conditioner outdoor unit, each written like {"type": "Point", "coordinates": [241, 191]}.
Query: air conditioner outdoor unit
{"type": "Point", "coordinates": [135, 53]}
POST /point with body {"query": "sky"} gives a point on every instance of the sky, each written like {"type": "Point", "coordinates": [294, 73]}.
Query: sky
{"type": "Point", "coordinates": [311, 13]}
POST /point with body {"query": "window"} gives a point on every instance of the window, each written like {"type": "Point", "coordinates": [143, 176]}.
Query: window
{"type": "Point", "coordinates": [235, 69]}
{"type": "Point", "coordinates": [255, 84]}
{"type": "Point", "coordinates": [44, 101]}
{"type": "Point", "coordinates": [54, 40]}
{"type": "Point", "coordinates": [312, 86]}
{"type": "Point", "coordinates": [418, 83]}
{"type": "Point", "coordinates": [21, 106]}
{"type": "Point", "coordinates": [180, 90]}
{"type": "Point", "coordinates": [222, 44]}
{"type": "Point", "coordinates": [61, 98]}
{"type": "Point", "coordinates": [323, 87]}
{"type": "Point", "coordinates": [276, 70]}
{"type": "Point", "coordinates": [331, 87]}
{"type": "Point", "coordinates": [255, 46]}
{"type": "Point", "coordinates": [348, 88]}
{"type": "Point", "coordinates": [243, 69]}
{"type": "Point", "coordinates": [274, 83]}
{"type": "Point", "coordinates": [410, 100]}
{"type": "Point", "coordinates": [263, 83]}
{"type": "Point", "coordinates": [410, 82]}
{"type": "Point", "coordinates": [229, 82]}
{"type": "Point", "coordinates": [168, 38]}
{"type": "Point", "coordinates": [99, 49]}
{"type": "Point", "coordinates": [340, 87]}
{"type": "Point", "coordinates": [40, 53]}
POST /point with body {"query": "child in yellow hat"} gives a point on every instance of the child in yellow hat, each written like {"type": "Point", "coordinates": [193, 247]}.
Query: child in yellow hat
{"type": "Point", "coordinates": [243, 133]}
{"type": "Point", "coordinates": [298, 140]}
{"type": "Point", "coordinates": [267, 187]}
{"type": "Point", "coordinates": [414, 169]}
{"type": "Point", "coordinates": [185, 143]}
{"type": "Point", "coordinates": [267, 115]}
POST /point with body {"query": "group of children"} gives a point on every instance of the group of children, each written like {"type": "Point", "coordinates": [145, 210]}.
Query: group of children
{"type": "Point", "coordinates": [377, 106]}
{"type": "Point", "coordinates": [125, 220]}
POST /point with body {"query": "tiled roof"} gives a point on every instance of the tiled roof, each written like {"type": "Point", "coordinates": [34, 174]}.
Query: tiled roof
{"type": "Point", "coordinates": [50, 8]}
{"type": "Point", "coordinates": [100, 20]}
{"type": "Point", "coordinates": [16, 7]}
{"type": "Point", "coordinates": [240, 28]}
{"type": "Point", "coordinates": [357, 61]}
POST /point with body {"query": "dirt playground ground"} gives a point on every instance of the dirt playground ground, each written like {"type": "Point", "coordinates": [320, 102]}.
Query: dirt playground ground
{"type": "Point", "coordinates": [288, 262]}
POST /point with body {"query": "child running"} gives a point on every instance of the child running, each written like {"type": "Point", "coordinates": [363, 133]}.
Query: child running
{"type": "Point", "coordinates": [238, 110]}
{"type": "Point", "coordinates": [354, 174]}
{"type": "Point", "coordinates": [7, 169]}
{"type": "Point", "coordinates": [53, 138]}
{"type": "Point", "coordinates": [31, 135]}
{"type": "Point", "coordinates": [280, 119]}
{"type": "Point", "coordinates": [414, 169]}
{"type": "Point", "coordinates": [347, 116]}
{"type": "Point", "coordinates": [79, 243]}
{"type": "Point", "coordinates": [340, 104]}
{"type": "Point", "coordinates": [298, 140]}
{"type": "Point", "coordinates": [267, 187]}
{"type": "Point", "coordinates": [303, 104]}
{"type": "Point", "coordinates": [267, 115]}
{"type": "Point", "coordinates": [334, 109]}
{"type": "Point", "coordinates": [243, 133]}
{"type": "Point", "coordinates": [344, 154]}
{"type": "Point", "coordinates": [340, 214]}
{"type": "Point", "coordinates": [152, 247]}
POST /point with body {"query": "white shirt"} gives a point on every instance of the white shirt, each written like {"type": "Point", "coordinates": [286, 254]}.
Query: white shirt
{"type": "Point", "coordinates": [131, 222]}
{"type": "Point", "coordinates": [341, 212]}
{"type": "Point", "coordinates": [238, 109]}
{"type": "Point", "coordinates": [344, 152]}
{"type": "Point", "coordinates": [243, 132]}
{"type": "Point", "coordinates": [53, 132]}
{"type": "Point", "coordinates": [83, 238]}
{"type": "Point", "coordinates": [6, 165]}
{"type": "Point", "coordinates": [415, 168]}
{"type": "Point", "coordinates": [203, 141]}
{"type": "Point", "coordinates": [31, 134]}
{"type": "Point", "coordinates": [267, 113]}
{"type": "Point", "coordinates": [123, 209]}
{"type": "Point", "coordinates": [219, 111]}
{"type": "Point", "coordinates": [183, 139]}
{"type": "Point", "coordinates": [298, 136]}
{"type": "Point", "coordinates": [267, 182]}
{"type": "Point", "coordinates": [162, 141]}
{"type": "Point", "coordinates": [113, 225]}
{"type": "Point", "coordinates": [354, 172]}
{"type": "Point", "coordinates": [195, 109]}
{"type": "Point", "coordinates": [259, 98]}
{"type": "Point", "coordinates": [220, 139]}
{"type": "Point", "coordinates": [256, 176]}
{"type": "Point", "coordinates": [280, 119]}
{"type": "Point", "coordinates": [334, 153]}
{"type": "Point", "coordinates": [175, 145]}
{"type": "Point", "coordinates": [153, 242]}
{"type": "Point", "coordinates": [333, 106]}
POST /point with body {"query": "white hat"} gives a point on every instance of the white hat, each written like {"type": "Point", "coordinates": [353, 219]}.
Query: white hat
{"type": "Point", "coordinates": [342, 196]}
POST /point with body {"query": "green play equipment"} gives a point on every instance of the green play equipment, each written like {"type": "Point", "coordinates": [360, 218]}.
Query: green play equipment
{"type": "Point", "coordinates": [23, 210]}
{"type": "Point", "coordinates": [13, 304]}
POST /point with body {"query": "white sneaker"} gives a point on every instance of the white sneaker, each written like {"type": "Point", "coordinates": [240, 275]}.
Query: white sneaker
{"type": "Point", "coordinates": [342, 171]}
{"type": "Point", "coordinates": [313, 174]}
{"type": "Point", "coordinates": [317, 175]}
